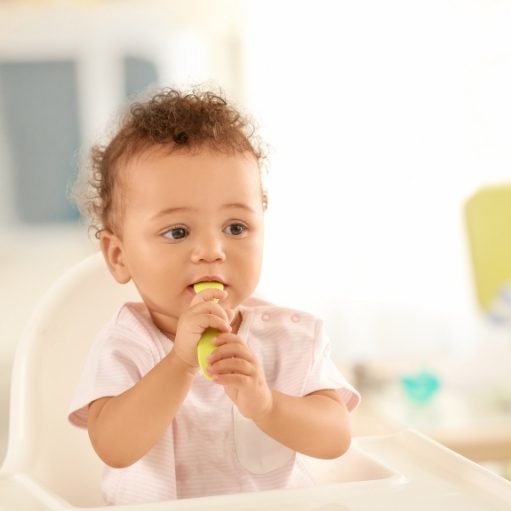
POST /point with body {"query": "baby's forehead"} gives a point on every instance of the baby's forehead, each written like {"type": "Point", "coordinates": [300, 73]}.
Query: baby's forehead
{"type": "Point", "coordinates": [188, 168]}
{"type": "Point", "coordinates": [179, 157]}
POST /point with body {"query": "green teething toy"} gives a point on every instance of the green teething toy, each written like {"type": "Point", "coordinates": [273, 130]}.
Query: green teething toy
{"type": "Point", "coordinates": [205, 345]}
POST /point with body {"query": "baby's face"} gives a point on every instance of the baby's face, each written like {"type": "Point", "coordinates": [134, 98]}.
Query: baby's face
{"type": "Point", "coordinates": [189, 217]}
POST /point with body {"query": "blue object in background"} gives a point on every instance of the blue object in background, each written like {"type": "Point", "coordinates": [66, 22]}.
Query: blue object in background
{"type": "Point", "coordinates": [39, 105]}
{"type": "Point", "coordinates": [500, 310]}
{"type": "Point", "coordinates": [40, 109]}
{"type": "Point", "coordinates": [139, 73]}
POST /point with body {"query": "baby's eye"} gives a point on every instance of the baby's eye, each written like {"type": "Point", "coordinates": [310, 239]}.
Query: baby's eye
{"type": "Point", "coordinates": [236, 229]}
{"type": "Point", "coordinates": [176, 233]}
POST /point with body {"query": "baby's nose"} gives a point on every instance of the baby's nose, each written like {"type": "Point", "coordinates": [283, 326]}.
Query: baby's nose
{"type": "Point", "coordinates": [208, 249]}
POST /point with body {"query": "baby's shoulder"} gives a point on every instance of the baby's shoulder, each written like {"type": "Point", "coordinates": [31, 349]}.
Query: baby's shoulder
{"type": "Point", "coordinates": [130, 323]}
{"type": "Point", "coordinates": [271, 317]}
{"type": "Point", "coordinates": [131, 313]}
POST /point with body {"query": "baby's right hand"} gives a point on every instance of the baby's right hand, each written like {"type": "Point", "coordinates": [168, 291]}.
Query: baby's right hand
{"type": "Point", "coordinates": [203, 313]}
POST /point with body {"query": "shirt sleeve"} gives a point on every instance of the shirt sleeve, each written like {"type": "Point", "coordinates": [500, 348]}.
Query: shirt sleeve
{"type": "Point", "coordinates": [324, 374]}
{"type": "Point", "coordinates": [116, 362]}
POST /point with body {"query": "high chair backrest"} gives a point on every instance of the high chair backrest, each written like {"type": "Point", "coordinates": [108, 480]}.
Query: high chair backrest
{"type": "Point", "coordinates": [47, 366]}
{"type": "Point", "coordinates": [488, 218]}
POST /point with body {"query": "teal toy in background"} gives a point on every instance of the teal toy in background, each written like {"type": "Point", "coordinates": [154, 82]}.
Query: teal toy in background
{"type": "Point", "coordinates": [420, 387]}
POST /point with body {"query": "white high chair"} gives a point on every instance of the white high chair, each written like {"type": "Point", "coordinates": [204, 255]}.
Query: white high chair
{"type": "Point", "coordinates": [51, 466]}
{"type": "Point", "coordinates": [42, 448]}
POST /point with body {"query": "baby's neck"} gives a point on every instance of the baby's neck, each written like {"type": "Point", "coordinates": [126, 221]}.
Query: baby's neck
{"type": "Point", "coordinates": [236, 322]}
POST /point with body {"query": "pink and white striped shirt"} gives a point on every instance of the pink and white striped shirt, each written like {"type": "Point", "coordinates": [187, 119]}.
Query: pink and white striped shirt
{"type": "Point", "coordinates": [209, 448]}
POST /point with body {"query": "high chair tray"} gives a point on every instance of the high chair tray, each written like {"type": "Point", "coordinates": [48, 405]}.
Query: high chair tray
{"type": "Point", "coordinates": [402, 471]}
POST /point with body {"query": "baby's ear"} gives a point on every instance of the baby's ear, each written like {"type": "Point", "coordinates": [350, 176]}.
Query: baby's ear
{"type": "Point", "coordinates": [113, 252]}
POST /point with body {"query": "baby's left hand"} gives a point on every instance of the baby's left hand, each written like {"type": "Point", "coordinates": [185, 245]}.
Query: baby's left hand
{"type": "Point", "coordinates": [235, 367]}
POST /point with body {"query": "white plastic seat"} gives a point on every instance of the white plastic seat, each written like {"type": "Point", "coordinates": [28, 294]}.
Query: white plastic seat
{"type": "Point", "coordinates": [49, 360]}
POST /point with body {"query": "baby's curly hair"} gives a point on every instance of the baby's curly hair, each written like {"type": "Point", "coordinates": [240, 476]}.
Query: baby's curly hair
{"type": "Point", "coordinates": [172, 120]}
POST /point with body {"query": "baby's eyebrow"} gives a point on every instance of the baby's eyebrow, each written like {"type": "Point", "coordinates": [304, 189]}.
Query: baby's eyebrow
{"type": "Point", "coordinates": [186, 209]}
{"type": "Point", "coordinates": [169, 211]}
{"type": "Point", "coordinates": [238, 205]}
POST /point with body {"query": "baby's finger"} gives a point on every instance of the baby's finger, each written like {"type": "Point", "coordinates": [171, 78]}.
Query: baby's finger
{"type": "Point", "coordinates": [230, 366]}
{"type": "Point", "coordinates": [231, 380]}
{"type": "Point", "coordinates": [214, 321]}
{"type": "Point", "coordinates": [211, 308]}
{"type": "Point", "coordinates": [231, 350]}
{"type": "Point", "coordinates": [229, 339]}
{"type": "Point", "coordinates": [209, 295]}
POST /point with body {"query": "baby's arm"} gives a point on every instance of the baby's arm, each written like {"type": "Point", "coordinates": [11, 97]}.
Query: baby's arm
{"type": "Point", "coordinates": [125, 427]}
{"type": "Point", "coordinates": [316, 424]}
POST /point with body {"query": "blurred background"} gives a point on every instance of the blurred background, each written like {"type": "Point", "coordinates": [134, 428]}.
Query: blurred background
{"type": "Point", "coordinates": [383, 119]}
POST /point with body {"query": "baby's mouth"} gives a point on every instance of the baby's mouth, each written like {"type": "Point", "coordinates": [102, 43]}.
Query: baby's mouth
{"type": "Point", "coordinates": [190, 289]}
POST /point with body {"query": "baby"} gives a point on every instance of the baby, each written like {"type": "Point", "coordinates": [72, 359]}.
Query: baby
{"type": "Point", "coordinates": [178, 199]}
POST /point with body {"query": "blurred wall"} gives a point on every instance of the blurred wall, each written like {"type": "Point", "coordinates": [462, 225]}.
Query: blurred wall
{"type": "Point", "coordinates": [384, 117]}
